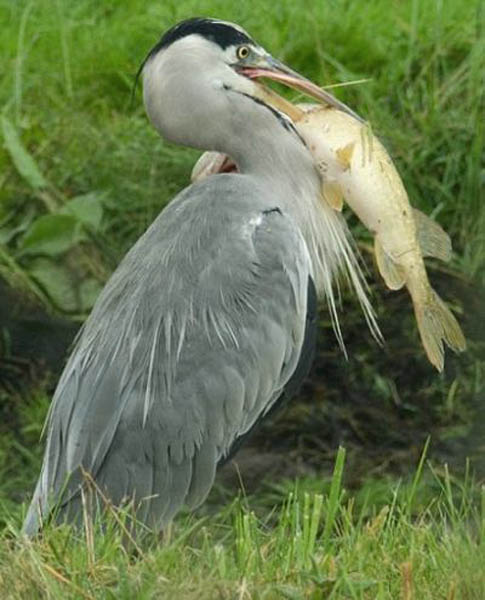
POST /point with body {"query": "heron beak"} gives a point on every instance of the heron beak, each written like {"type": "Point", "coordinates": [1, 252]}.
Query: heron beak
{"type": "Point", "coordinates": [273, 69]}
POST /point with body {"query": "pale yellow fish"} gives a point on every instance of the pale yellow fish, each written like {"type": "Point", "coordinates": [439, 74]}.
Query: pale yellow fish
{"type": "Point", "coordinates": [355, 167]}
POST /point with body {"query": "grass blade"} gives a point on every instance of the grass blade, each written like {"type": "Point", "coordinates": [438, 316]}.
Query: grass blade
{"type": "Point", "coordinates": [334, 496]}
{"type": "Point", "coordinates": [417, 479]}
{"type": "Point", "coordinates": [18, 85]}
{"type": "Point", "coordinates": [23, 161]}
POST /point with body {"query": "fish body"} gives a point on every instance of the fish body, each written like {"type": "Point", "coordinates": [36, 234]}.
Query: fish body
{"type": "Point", "coordinates": [356, 168]}
{"type": "Point", "coordinates": [355, 165]}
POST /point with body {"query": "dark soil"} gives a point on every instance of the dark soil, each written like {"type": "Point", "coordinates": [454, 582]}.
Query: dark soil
{"type": "Point", "coordinates": [381, 404]}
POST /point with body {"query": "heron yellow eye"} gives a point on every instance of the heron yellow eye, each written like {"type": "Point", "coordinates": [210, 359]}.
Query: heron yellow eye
{"type": "Point", "coordinates": [242, 52]}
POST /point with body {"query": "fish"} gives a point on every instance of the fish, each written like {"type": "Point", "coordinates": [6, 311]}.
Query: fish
{"type": "Point", "coordinates": [355, 168]}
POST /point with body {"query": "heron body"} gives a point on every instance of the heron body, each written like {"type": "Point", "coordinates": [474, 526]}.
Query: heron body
{"type": "Point", "coordinates": [209, 319]}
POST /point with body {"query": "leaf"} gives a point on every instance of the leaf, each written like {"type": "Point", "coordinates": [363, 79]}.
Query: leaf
{"type": "Point", "coordinates": [89, 290]}
{"type": "Point", "coordinates": [88, 209]}
{"type": "Point", "coordinates": [52, 235]}
{"type": "Point", "coordinates": [56, 282]}
{"type": "Point", "coordinates": [23, 161]}
{"type": "Point", "coordinates": [66, 291]}
{"type": "Point", "coordinates": [7, 234]}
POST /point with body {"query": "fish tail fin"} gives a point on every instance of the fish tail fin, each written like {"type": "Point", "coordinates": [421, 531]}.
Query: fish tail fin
{"type": "Point", "coordinates": [210, 163]}
{"type": "Point", "coordinates": [436, 325]}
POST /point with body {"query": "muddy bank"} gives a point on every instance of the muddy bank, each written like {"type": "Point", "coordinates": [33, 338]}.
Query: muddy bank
{"type": "Point", "coordinates": [381, 404]}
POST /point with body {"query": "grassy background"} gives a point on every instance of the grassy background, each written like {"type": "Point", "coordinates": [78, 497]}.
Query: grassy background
{"type": "Point", "coordinates": [66, 77]}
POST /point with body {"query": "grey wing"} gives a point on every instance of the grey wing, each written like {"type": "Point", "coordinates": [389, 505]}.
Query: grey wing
{"type": "Point", "coordinates": [186, 348]}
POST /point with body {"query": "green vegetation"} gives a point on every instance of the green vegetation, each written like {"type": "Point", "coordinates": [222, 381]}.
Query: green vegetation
{"type": "Point", "coordinates": [313, 544]}
{"type": "Point", "coordinates": [66, 88]}
{"type": "Point", "coordinates": [82, 174]}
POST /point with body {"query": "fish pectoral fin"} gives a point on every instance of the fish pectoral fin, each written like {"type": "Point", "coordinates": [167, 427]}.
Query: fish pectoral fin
{"type": "Point", "coordinates": [344, 155]}
{"type": "Point", "coordinates": [333, 194]}
{"type": "Point", "coordinates": [391, 273]}
{"type": "Point", "coordinates": [436, 325]}
{"type": "Point", "coordinates": [432, 239]}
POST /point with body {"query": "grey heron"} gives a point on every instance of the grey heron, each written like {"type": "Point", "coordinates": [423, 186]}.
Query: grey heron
{"type": "Point", "coordinates": [209, 320]}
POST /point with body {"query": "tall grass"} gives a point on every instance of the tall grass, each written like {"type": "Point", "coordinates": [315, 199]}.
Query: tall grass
{"type": "Point", "coordinates": [318, 544]}
{"type": "Point", "coordinates": [68, 74]}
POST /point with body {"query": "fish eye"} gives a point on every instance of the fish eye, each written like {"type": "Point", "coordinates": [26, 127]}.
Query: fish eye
{"type": "Point", "coordinates": [242, 52]}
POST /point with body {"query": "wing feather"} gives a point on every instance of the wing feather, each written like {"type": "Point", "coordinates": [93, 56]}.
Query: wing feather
{"type": "Point", "coordinates": [193, 339]}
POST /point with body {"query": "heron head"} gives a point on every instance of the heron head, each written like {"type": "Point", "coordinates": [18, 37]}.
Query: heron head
{"type": "Point", "coordinates": [201, 82]}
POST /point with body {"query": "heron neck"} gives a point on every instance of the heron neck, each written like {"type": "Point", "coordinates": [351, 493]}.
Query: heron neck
{"type": "Point", "coordinates": [280, 160]}
{"type": "Point", "coordinates": [283, 165]}
{"type": "Point", "coordinates": [274, 153]}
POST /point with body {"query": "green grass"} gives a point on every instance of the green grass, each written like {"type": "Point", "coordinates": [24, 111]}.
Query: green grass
{"type": "Point", "coordinates": [318, 542]}
{"type": "Point", "coordinates": [69, 131]}
{"type": "Point", "coordinates": [66, 86]}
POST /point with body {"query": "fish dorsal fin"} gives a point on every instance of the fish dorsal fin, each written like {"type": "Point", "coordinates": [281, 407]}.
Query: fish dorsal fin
{"type": "Point", "coordinates": [433, 240]}
{"type": "Point", "coordinates": [391, 273]}
{"type": "Point", "coordinates": [333, 195]}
